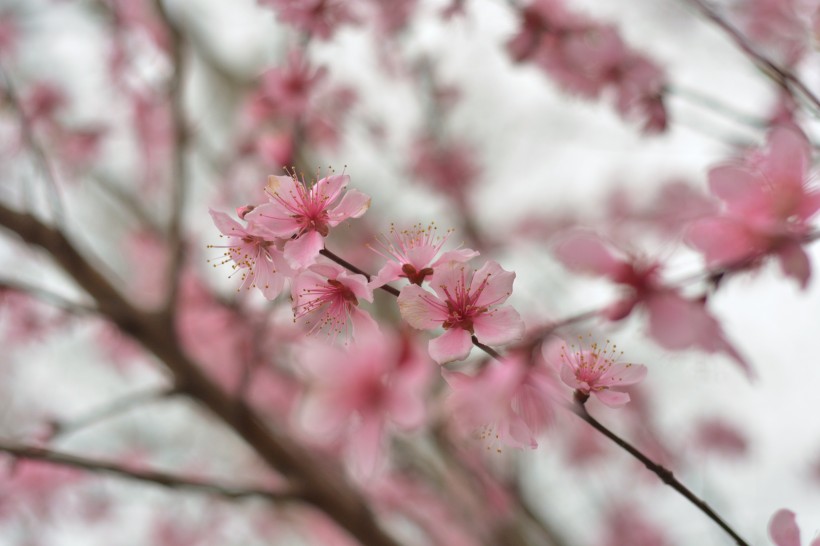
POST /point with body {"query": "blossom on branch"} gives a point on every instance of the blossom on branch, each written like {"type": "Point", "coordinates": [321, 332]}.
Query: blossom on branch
{"type": "Point", "coordinates": [464, 304]}
{"type": "Point", "coordinates": [783, 529]}
{"type": "Point", "coordinates": [305, 213]}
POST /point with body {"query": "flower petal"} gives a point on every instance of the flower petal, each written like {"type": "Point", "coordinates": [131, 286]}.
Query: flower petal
{"type": "Point", "coordinates": [389, 273]}
{"type": "Point", "coordinates": [330, 187]}
{"type": "Point", "coordinates": [302, 252]}
{"type": "Point", "coordinates": [613, 399]}
{"type": "Point", "coordinates": [454, 344]}
{"type": "Point", "coordinates": [783, 529]}
{"type": "Point", "coordinates": [421, 309]}
{"type": "Point", "coordinates": [353, 205]}
{"type": "Point", "coordinates": [587, 253]}
{"type": "Point", "coordinates": [623, 374]}
{"type": "Point", "coordinates": [795, 263]}
{"type": "Point", "coordinates": [499, 326]}
{"type": "Point", "coordinates": [494, 282]}
{"type": "Point", "coordinates": [227, 225]}
{"type": "Point", "coordinates": [274, 218]}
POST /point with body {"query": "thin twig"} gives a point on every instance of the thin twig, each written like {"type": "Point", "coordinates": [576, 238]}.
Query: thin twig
{"type": "Point", "coordinates": [664, 474]}
{"type": "Point", "coordinates": [163, 479]}
{"type": "Point", "coordinates": [48, 296]}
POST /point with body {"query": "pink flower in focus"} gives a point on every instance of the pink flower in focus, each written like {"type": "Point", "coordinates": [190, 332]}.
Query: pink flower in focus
{"type": "Point", "coordinates": [411, 254]}
{"type": "Point", "coordinates": [507, 403]}
{"type": "Point", "coordinates": [675, 322]}
{"type": "Point", "coordinates": [357, 391]}
{"type": "Point", "coordinates": [254, 254]}
{"type": "Point", "coordinates": [783, 529]}
{"type": "Point", "coordinates": [326, 298]}
{"type": "Point", "coordinates": [305, 213]}
{"type": "Point", "coordinates": [767, 207]}
{"type": "Point", "coordinates": [464, 304]}
{"type": "Point", "coordinates": [596, 371]}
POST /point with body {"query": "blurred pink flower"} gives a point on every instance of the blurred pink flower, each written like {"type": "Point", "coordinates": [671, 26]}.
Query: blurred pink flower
{"type": "Point", "coordinates": [305, 213]}
{"type": "Point", "coordinates": [626, 524]}
{"type": "Point", "coordinates": [326, 299]}
{"type": "Point", "coordinates": [412, 254]}
{"type": "Point", "coordinates": [318, 17]}
{"type": "Point", "coordinates": [783, 529]}
{"type": "Point", "coordinates": [286, 90]}
{"type": "Point", "coordinates": [253, 252]}
{"type": "Point", "coordinates": [718, 436]}
{"type": "Point", "coordinates": [464, 304]}
{"type": "Point", "coordinates": [767, 207]}
{"type": "Point", "coordinates": [595, 371]}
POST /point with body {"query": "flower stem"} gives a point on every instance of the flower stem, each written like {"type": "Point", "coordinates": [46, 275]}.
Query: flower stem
{"type": "Point", "coordinates": [664, 474]}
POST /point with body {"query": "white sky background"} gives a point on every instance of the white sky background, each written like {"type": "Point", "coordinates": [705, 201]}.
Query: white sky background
{"type": "Point", "coordinates": [545, 152]}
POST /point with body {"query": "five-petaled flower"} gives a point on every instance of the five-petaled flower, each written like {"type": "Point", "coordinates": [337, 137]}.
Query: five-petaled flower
{"type": "Point", "coordinates": [595, 371]}
{"type": "Point", "coordinates": [464, 304]}
{"type": "Point", "coordinates": [306, 212]}
{"type": "Point", "coordinates": [411, 254]}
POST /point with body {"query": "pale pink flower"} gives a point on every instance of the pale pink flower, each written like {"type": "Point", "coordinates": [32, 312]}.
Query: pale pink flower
{"type": "Point", "coordinates": [326, 299]}
{"type": "Point", "coordinates": [286, 90]}
{"type": "Point", "coordinates": [675, 321]}
{"type": "Point", "coordinates": [448, 167]}
{"type": "Point", "coordinates": [464, 304]}
{"type": "Point", "coordinates": [783, 529]}
{"type": "Point", "coordinates": [318, 17]}
{"type": "Point", "coordinates": [626, 524]}
{"type": "Point", "coordinates": [718, 436]}
{"type": "Point", "coordinates": [253, 251]}
{"type": "Point", "coordinates": [782, 26]}
{"type": "Point", "coordinates": [412, 254]}
{"type": "Point", "coordinates": [767, 207]}
{"type": "Point", "coordinates": [507, 403]}
{"type": "Point", "coordinates": [596, 371]}
{"type": "Point", "coordinates": [305, 213]}
{"type": "Point", "coordinates": [357, 392]}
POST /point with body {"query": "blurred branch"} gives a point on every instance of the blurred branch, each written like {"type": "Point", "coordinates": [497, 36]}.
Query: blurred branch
{"type": "Point", "coordinates": [48, 297]}
{"type": "Point", "coordinates": [324, 484]}
{"type": "Point", "coordinates": [693, 96]}
{"type": "Point", "coordinates": [155, 477]}
{"type": "Point", "coordinates": [781, 76]}
{"type": "Point", "coordinates": [128, 202]}
{"type": "Point", "coordinates": [33, 143]}
{"type": "Point", "coordinates": [111, 409]}
{"type": "Point", "coordinates": [664, 474]}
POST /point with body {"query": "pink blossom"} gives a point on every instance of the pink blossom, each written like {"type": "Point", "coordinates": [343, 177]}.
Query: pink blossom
{"type": "Point", "coordinates": [507, 403]}
{"type": "Point", "coordinates": [361, 389]}
{"type": "Point", "coordinates": [596, 371]}
{"type": "Point", "coordinates": [411, 254]}
{"type": "Point", "coordinates": [780, 25]}
{"type": "Point", "coordinates": [9, 33]}
{"type": "Point", "coordinates": [305, 213]}
{"type": "Point", "coordinates": [286, 90]}
{"type": "Point", "coordinates": [43, 102]}
{"type": "Point", "coordinates": [675, 321]}
{"type": "Point", "coordinates": [447, 167]}
{"type": "Point", "coordinates": [783, 529]}
{"type": "Point", "coordinates": [718, 436]}
{"type": "Point", "coordinates": [253, 253]}
{"type": "Point", "coordinates": [319, 17]}
{"type": "Point", "coordinates": [626, 524]}
{"type": "Point", "coordinates": [464, 304]}
{"type": "Point", "coordinates": [767, 207]}
{"type": "Point", "coordinates": [326, 298]}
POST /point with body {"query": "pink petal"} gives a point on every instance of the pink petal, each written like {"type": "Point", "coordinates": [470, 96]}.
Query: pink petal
{"type": "Point", "coordinates": [331, 186]}
{"type": "Point", "coordinates": [722, 240]}
{"type": "Point", "coordinates": [613, 399]}
{"type": "Point", "coordinates": [498, 286]}
{"type": "Point", "coordinates": [353, 205]}
{"type": "Point", "coordinates": [584, 252]}
{"type": "Point", "coordinates": [267, 280]}
{"type": "Point", "coordinates": [737, 187]}
{"type": "Point", "coordinates": [302, 252]}
{"type": "Point", "coordinates": [366, 444]}
{"type": "Point", "coordinates": [448, 276]}
{"type": "Point", "coordinates": [389, 273]}
{"type": "Point", "coordinates": [454, 344]}
{"type": "Point", "coordinates": [783, 529]}
{"type": "Point", "coordinates": [623, 374]}
{"type": "Point", "coordinates": [568, 376]}
{"type": "Point", "coordinates": [459, 255]}
{"type": "Point", "coordinates": [421, 309]}
{"type": "Point", "coordinates": [357, 284]}
{"type": "Point", "coordinates": [499, 326]}
{"type": "Point", "coordinates": [364, 327]}
{"type": "Point", "coordinates": [284, 188]}
{"type": "Point", "coordinates": [227, 225]}
{"type": "Point", "coordinates": [406, 407]}
{"type": "Point", "coordinates": [795, 263]}
{"type": "Point", "coordinates": [274, 218]}
{"type": "Point", "coordinates": [789, 157]}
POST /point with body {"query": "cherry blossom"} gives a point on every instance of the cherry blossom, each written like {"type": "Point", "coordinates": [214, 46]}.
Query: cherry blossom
{"type": "Point", "coordinates": [307, 212]}
{"type": "Point", "coordinates": [783, 529]}
{"type": "Point", "coordinates": [411, 254]}
{"type": "Point", "coordinates": [326, 299]}
{"type": "Point", "coordinates": [464, 304]}
{"type": "Point", "coordinates": [596, 371]}
{"type": "Point", "coordinates": [253, 253]}
{"type": "Point", "coordinates": [286, 90]}
{"type": "Point", "coordinates": [675, 321]}
{"type": "Point", "coordinates": [319, 17]}
{"type": "Point", "coordinates": [767, 207]}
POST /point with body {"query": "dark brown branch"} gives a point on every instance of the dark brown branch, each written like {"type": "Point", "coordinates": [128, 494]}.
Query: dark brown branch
{"type": "Point", "coordinates": [323, 483]}
{"type": "Point", "coordinates": [163, 479]}
{"type": "Point", "coordinates": [664, 474]}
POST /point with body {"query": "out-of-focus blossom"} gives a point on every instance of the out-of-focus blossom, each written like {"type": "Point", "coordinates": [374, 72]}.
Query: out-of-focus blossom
{"type": "Point", "coordinates": [464, 304]}
{"type": "Point", "coordinates": [326, 299]}
{"type": "Point", "coordinates": [783, 529]}
{"type": "Point", "coordinates": [306, 213]}
{"type": "Point", "coordinates": [626, 524]}
{"type": "Point", "coordinates": [286, 90]}
{"type": "Point", "coordinates": [356, 391]}
{"type": "Point", "coordinates": [718, 436]}
{"type": "Point", "coordinates": [782, 26]}
{"type": "Point", "coordinates": [767, 206]}
{"type": "Point", "coordinates": [316, 17]}
{"type": "Point", "coordinates": [413, 254]}
{"type": "Point", "coordinates": [676, 322]}
{"type": "Point", "coordinates": [507, 403]}
{"type": "Point", "coordinates": [447, 167]}
{"type": "Point", "coordinates": [596, 371]}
